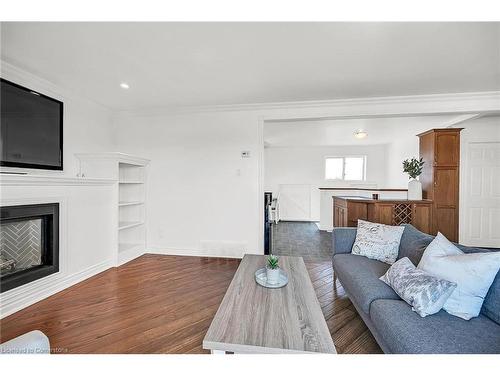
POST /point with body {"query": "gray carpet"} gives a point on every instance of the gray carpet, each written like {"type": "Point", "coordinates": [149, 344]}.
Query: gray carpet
{"type": "Point", "coordinates": [301, 239]}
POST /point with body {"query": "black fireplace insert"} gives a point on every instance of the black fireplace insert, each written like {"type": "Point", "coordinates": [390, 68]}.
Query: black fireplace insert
{"type": "Point", "coordinates": [29, 243]}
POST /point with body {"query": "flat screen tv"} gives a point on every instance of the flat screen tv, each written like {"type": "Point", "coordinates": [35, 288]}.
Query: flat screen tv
{"type": "Point", "coordinates": [31, 128]}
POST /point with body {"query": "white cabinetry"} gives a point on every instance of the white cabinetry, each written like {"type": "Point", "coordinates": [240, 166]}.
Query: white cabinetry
{"type": "Point", "coordinates": [130, 172]}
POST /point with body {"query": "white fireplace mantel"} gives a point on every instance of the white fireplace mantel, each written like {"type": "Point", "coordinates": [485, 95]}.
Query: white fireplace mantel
{"type": "Point", "coordinates": [49, 180]}
{"type": "Point", "coordinates": [87, 235]}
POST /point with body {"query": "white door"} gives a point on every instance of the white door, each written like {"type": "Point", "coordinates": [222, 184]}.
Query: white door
{"type": "Point", "coordinates": [482, 195]}
{"type": "Point", "coordinates": [295, 202]}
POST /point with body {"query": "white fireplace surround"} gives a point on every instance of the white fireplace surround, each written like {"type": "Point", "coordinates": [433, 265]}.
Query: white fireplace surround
{"type": "Point", "coordinates": [86, 236]}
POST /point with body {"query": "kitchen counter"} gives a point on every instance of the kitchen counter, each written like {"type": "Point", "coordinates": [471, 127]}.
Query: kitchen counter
{"type": "Point", "coordinates": [386, 200]}
{"type": "Point", "coordinates": [347, 210]}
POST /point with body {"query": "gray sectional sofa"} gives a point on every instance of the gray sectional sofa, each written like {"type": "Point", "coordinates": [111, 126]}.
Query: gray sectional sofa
{"type": "Point", "coordinates": [391, 320]}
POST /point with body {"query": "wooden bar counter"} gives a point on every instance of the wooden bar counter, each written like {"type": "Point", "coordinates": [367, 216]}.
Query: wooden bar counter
{"type": "Point", "coordinates": [347, 211]}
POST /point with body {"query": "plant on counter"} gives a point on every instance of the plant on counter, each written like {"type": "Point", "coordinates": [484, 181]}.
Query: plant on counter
{"type": "Point", "coordinates": [413, 167]}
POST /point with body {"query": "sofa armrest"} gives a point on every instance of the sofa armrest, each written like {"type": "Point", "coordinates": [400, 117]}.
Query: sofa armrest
{"type": "Point", "coordinates": [342, 240]}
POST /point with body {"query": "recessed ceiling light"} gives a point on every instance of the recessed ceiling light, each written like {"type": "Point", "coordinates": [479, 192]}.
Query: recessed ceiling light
{"type": "Point", "coordinates": [124, 85]}
{"type": "Point", "coordinates": [360, 134]}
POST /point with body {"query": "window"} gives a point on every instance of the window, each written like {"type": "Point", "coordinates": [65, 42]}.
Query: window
{"type": "Point", "coordinates": [349, 168]}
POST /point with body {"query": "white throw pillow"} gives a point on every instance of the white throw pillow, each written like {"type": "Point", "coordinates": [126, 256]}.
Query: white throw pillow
{"type": "Point", "coordinates": [473, 273]}
{"type": "Point", "coordinates": [378, 241]}
{"type": "Point", "coordinates": [426, 294]}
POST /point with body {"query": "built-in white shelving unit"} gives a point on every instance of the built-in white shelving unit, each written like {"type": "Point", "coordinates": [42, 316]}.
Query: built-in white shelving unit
{"type": "Point", "coordinates": [130, 172]}
{"type": "Point", "coordinates": [130, 182]}
{"type": "Point", "coordinates": [132, 203]}
{"type": "Point", "coordinates": [128, 224]}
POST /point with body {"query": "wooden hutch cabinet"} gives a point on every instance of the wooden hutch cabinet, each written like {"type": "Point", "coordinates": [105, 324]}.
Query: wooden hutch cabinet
{"type": "Point", "coordinates": [440, 149]}
{"type": "Point", "coordinates": [347, 211]}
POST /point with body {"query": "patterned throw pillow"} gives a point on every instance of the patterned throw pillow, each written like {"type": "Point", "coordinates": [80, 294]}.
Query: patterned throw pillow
{"type": "Point", "coordinates": [425, 293]}
{"type": "Point", "coordinates": [378, 241]}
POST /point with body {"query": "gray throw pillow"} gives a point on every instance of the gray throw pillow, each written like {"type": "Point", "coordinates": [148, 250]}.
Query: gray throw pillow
{"type": "Point", "coordinates": [425, 293]}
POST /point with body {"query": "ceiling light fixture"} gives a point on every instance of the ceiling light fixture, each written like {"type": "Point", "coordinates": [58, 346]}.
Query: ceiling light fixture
{"type": "Point", "coordinates": [360, 134]}
{"type": "Point", "coordinates": [124, 85]}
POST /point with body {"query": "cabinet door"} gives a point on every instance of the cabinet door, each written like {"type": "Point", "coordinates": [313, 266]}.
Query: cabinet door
{"type": "Point", "coordinates": [422, 217]}
{"type": "Point", "coordinates": [356, 211]}
{"type": "Point", "coordinates": [447, 149]}
{"type": "Point", "coordinates": [385, 213]}
{"type": "Point", "coordinates": [445, 215]}
{"type": "Point", "coordinates": [445, 220]}
{"type": "Point", "coordinates": [446, 187]}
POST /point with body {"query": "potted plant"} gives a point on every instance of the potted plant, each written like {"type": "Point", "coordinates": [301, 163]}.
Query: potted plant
{"type": "Point", "coordinates": [414, 168]}
{"type": "Point", "coordinates": [272, 269]}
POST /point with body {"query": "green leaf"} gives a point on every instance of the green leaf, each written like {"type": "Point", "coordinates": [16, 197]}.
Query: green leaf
{"type": "Point", "coordinates": [272, 262]}
{"type": "Point", "coordinates": [413, 167]}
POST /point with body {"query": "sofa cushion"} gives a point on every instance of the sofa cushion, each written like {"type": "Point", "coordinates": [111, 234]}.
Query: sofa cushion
{"type": "Point", "coordinates": [413, 244]}
{"type": "Point", "coordinates": [405, 332]}
{"type": "Point", "coordinates": [342, 240]}
{"type": "Point", "coordinates": [491, 305]}
{"type": "Point", "coordinates": [360, 278]}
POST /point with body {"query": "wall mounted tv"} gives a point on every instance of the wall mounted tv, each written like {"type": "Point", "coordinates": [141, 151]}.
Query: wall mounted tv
{"type": "Point", "coordinates": [31, 128]}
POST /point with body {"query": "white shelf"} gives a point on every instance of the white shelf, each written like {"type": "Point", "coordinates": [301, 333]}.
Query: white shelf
{"type": "Point", "coordinates": [129, 246]}
{"type": "Point", "coordinates": [129, 177]}
{"type": "Point", "coordinates": [129, 224]}
{"type": "Point", "coordinates": [132, 203]}
{"type": "Point", "coordinates": [131, 182]}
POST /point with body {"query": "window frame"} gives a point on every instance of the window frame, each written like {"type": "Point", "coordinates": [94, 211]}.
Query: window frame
{"type": "Point", "coordinates": [344, 157]}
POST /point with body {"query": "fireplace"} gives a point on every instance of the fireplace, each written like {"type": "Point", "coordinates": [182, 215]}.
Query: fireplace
{"type": "Point", "coordinates": [29, 243]}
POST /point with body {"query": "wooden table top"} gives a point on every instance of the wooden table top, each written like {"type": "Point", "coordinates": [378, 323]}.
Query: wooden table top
{"type": "Point", "coordinates": [254, 319]}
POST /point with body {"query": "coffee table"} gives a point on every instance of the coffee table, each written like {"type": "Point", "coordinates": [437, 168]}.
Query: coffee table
{"type": "Point", "coordinates": [254, 319]}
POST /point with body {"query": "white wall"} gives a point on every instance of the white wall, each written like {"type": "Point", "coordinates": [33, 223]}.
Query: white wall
{"type": "Point", "coordinates": [202, 195]}
{"type": "Point", "coordinates": [400, 149]}
{"type": "Point", "coordinates": [306, 165]}
{"type": "Point", "coordinates": [87, 126]}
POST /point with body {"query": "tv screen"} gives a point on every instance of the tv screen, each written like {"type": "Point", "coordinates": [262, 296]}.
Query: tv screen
{"type": "Point", "coordinates": [31, 128]}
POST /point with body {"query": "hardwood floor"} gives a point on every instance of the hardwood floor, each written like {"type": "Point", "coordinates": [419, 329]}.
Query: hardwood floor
{"type": "Point", "coordinates": [164, 304]}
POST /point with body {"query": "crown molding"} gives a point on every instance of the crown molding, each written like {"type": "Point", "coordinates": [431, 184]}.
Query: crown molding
{"type": "Point", "coordinates": [491, 97]}
{"type": "Point", "coordinates": [486, 99]}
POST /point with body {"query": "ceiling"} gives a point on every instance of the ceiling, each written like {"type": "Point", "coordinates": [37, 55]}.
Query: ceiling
{"type": "Point", "coordinates": [182, 64]}
{"type": "Point", "coordinates": [341, 132]}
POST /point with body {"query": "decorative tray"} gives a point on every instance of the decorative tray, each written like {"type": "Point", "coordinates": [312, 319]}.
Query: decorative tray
{"type": "Point", "coordinates": [261, 279]}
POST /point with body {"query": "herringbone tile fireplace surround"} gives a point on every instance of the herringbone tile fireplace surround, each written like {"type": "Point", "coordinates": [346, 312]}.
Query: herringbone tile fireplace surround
{"type": "Point", "coordinates": [20, 245]}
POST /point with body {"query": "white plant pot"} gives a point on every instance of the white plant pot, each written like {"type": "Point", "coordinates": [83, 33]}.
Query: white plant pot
{"type": "Point", "coordinates": [414, 190]}
{"type": "Point", "coordinates": [273, 276]}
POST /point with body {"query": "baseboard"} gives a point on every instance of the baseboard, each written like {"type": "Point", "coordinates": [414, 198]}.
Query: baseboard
{"type": "Point", "coordinates": [305, 220]}
{"type": "Point", "coordinates": [189, 252]}
{"type": "Point", "coordinates": [127, 256]}
{"type": "Point", "coordinates": [26, 295]}
{"type": "Point", "coordinates": [325, 228]}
